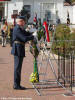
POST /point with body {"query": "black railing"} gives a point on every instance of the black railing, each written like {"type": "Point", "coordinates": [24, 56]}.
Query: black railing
{"type": "Point", "coordinates": [66, 65]}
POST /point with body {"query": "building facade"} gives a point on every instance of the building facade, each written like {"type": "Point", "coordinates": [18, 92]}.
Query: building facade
{"type": "Point", "coordinates": [50, 10]}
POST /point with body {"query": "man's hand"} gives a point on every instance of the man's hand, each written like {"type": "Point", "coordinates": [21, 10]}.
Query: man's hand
{"type": "Point", "coordinates": [35, 34]}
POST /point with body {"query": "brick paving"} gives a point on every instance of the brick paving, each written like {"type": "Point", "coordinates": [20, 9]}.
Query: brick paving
{"type": "Point", "coordinates": [6, 79]}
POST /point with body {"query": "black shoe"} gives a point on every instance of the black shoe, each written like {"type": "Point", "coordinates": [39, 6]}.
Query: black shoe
{"type": "Point", "coordinates": [3, 46]}
{"type": "Point", "coordinates": [19, 88]}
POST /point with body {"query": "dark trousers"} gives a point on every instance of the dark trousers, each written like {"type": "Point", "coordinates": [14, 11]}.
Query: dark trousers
{"type": "Point", "coordinates": [17, 70]}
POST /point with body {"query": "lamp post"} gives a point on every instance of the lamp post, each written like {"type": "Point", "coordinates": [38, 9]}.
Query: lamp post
{"type": "Point", "coordinates": [14, 16]}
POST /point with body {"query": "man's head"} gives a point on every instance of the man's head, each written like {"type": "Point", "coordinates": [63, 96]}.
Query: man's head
{"type": "Point", "coordinates": [20, 20]}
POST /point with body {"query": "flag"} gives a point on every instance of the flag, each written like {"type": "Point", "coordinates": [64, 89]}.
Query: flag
{"type": "Point", "coordinates": [46, 28]}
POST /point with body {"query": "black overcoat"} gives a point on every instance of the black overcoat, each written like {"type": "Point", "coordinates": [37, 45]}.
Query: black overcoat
{"type": "Point", "coordinates": [20, 35]}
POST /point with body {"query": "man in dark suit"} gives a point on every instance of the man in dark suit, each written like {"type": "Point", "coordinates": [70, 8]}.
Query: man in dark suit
{"type": "Point", "coordinates": [20, 37]}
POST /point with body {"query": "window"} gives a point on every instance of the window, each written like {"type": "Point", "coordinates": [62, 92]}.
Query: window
{"type": "Point", "coordinates": [48, 15]}
{"type": "Point", "coordinates": [26, 11]}
{"type": "Point", "coordinates": [15, 11]}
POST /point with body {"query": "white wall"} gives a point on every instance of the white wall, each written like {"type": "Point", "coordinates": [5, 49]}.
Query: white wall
{"type": "Point", "coordinates": [35, 7]}
{"type": "Point", "coordinates": [65, 11]}
{"type": "Point", "coordinates": [13, 6]}
{"type": "Point", "coordinates": [74, 14]}
{"type": "Point", "coordinates": [60, 10]}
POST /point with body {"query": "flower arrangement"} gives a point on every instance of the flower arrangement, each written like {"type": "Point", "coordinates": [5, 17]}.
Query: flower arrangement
{"type": "Point", "coordinates": [34, 49]}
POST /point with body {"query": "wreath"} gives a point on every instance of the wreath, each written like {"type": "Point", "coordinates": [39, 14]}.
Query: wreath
{"type": "Point", "coordinates": [35, 49]}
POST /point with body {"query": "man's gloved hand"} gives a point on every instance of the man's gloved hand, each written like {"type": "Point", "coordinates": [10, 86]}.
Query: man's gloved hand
{"type": "Point", "coordinates": [35, 34]}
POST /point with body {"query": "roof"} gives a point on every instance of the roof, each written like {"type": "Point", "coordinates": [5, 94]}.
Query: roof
{"type": "Point", "coordinates": [73, 3]}
{"type": "Point", "coordinates": [68, 4]}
